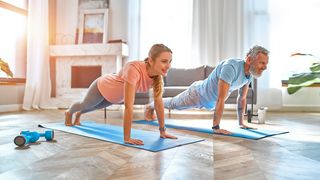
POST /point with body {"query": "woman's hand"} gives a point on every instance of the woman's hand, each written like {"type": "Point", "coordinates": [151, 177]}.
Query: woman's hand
{"type": "Point", "coordinates": [134, 142]}
{"type": "Point", "coordinates": [221, 131]}
{"type": "Point", "coordinates": [163, 134]}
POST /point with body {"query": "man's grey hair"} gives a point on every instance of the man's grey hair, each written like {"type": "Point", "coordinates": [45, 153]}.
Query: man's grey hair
{"type": "Point", "coordinates": [255, 50]}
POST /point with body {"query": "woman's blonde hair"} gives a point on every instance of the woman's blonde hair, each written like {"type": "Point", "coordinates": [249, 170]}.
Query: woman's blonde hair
{"type": "Point", "coordinates": [154, 52]}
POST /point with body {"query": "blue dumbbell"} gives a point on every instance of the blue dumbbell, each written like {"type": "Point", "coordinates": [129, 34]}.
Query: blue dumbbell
{"type": "Point", "coordinates": [27, 137]}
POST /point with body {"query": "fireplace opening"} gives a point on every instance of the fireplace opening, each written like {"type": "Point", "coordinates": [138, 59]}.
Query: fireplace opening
{"type": "Point", "coordinates": [83, 76]}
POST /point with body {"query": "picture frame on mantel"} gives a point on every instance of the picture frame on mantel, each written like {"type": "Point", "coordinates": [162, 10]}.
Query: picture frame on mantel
{"type": "Point", "coordinates": [93, 26]}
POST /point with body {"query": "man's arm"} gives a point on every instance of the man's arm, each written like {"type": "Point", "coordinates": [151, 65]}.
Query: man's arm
{"type": "Point", "coordinates": [242, 102]}
{"type": "Point", "coordinates": [223, 89]}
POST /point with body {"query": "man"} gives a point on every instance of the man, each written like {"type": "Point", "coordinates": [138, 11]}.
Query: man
{"type": "Point", "coordinates": [212, 92]}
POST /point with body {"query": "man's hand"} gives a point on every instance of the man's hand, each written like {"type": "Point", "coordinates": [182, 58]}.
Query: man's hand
{"type": "Point", "coordinates": [221, 131]}
{"type": "Point", "coordinates": [163, 134]}
{"type": "Point", "coordinates": [134, 142]}
{"type": "Point", "coordinates": [242, 126]}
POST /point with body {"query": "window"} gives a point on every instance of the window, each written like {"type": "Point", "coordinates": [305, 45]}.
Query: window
{"type": "Point", "coordinates": [13, 19]}
{"type": "Point", "coordinates": [168, 22]}
{"type": "Point", "coordinates": [293, 29]}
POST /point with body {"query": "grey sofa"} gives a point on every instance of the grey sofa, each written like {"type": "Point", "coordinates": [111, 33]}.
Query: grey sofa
{"type": "Point", "coordinates": [178, 80]}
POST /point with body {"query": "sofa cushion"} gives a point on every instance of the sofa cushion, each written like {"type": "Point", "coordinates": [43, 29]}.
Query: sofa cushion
{"type": "Point", "coordinates": [142, 95]}
{"type": "Point", "coordinates": [208, 70]}
{"type": "Point", "coordinates": [232, 99]}
{"type": "Point", "coordinates": [184, 77]}
{"type": "Point", "coordinates": [142, 98]}
{"type": "Point", "coordinates": [172, 91]}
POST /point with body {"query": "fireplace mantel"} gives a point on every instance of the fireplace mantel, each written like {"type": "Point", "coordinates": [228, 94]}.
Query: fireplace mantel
{"type": "Point", "coordinates": [119, 50]}
{"type": "Point", "coordinates": [112, 49]}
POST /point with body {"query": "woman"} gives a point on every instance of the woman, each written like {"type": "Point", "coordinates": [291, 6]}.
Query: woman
{"type": "Point", "coordinates": [136, 76]}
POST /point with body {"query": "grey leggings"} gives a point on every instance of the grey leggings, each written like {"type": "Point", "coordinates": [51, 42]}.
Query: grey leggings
{"type": "Point", "coordinates": [92, 100]}
{"type": "Point", "coordinates": [186, 100]}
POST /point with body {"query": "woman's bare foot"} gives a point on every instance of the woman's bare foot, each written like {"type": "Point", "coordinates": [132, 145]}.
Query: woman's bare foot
{"type": "Point", "coordinates": [149, 114]}
{"type": "Point", "coordinates": [77, 119]}
{"type": "Point", "coordinates": [68, 118]}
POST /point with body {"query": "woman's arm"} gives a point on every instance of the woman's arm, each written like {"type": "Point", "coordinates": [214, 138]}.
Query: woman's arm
{"type": "Point", "coordinates": [129, 95]}
{"type": "Point", "coordinates": [159, 107]}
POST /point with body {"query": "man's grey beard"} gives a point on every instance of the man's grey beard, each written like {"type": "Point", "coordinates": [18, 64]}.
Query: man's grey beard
{"type": "Point", "coordinates": [253, 72]}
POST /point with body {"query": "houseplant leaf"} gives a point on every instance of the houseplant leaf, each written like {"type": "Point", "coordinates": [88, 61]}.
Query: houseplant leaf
{"type": "Point", "coordinates": [298, 81]}
{"type": "Point", "coordinates": [315, 67]}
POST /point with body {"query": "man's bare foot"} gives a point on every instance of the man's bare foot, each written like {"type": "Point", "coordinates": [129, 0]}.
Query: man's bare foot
{"type": "Point", "coordinates": [77, 119]}
{"type": "Point", "coordinates": [149, 114]}
{"type": "Point", "coordinates": [68, 118]}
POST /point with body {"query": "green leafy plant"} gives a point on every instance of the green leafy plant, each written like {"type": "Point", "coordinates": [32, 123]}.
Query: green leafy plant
{"type": "Point", "coordinates": [297, 81]}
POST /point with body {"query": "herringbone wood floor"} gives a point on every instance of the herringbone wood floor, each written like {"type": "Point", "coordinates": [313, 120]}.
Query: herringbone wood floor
{"type": "Point", "coordinates": [291, 156]}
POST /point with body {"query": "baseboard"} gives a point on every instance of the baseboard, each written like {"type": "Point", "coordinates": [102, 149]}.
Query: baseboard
{"type": "Point", "coordinates": [10, 107]}
{"type": "Point", "coordinates": [300, 108]}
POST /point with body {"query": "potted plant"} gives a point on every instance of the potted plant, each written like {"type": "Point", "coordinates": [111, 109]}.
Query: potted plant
{"type": "Point", "coordinates": [304, 79]}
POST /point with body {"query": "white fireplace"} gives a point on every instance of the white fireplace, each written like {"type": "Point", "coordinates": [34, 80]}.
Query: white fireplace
{"type": "Point", "coordinates": [109, 56]}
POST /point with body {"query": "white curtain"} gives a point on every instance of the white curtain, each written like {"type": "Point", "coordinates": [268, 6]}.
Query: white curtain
{"type": "Point", "coordinates": [134, 29]}
{"type": "Point", "coordinates": [217, 31]}
{"type": "Point", "coordinates": [37, 90]}
{"type": "Point", "coordinates": [168, 22]}
{"type": "Point", "coordinates": [258, 31]}
{"type": "Point", "coordinates": [227, 29]}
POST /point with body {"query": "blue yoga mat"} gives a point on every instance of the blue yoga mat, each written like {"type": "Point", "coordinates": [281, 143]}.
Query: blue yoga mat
{"type": "Point", "coordinates": [204, 126]}
{"type": "Point", "coordinates": [152, 141]}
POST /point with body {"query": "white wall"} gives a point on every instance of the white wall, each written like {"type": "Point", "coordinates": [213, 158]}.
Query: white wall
{"type": "Point", "coordinates": [67, 20]}
{"type": "Point", "coordinates": [291, 31]}
{"type": "Point", "coordinates": [307, 98]}
{"type": "Point", "coordinates": [257, 24]}
{"type": "Point", "coordinates": [11, 97]}
{"type": "Point", "coordinates": [118, 18]}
